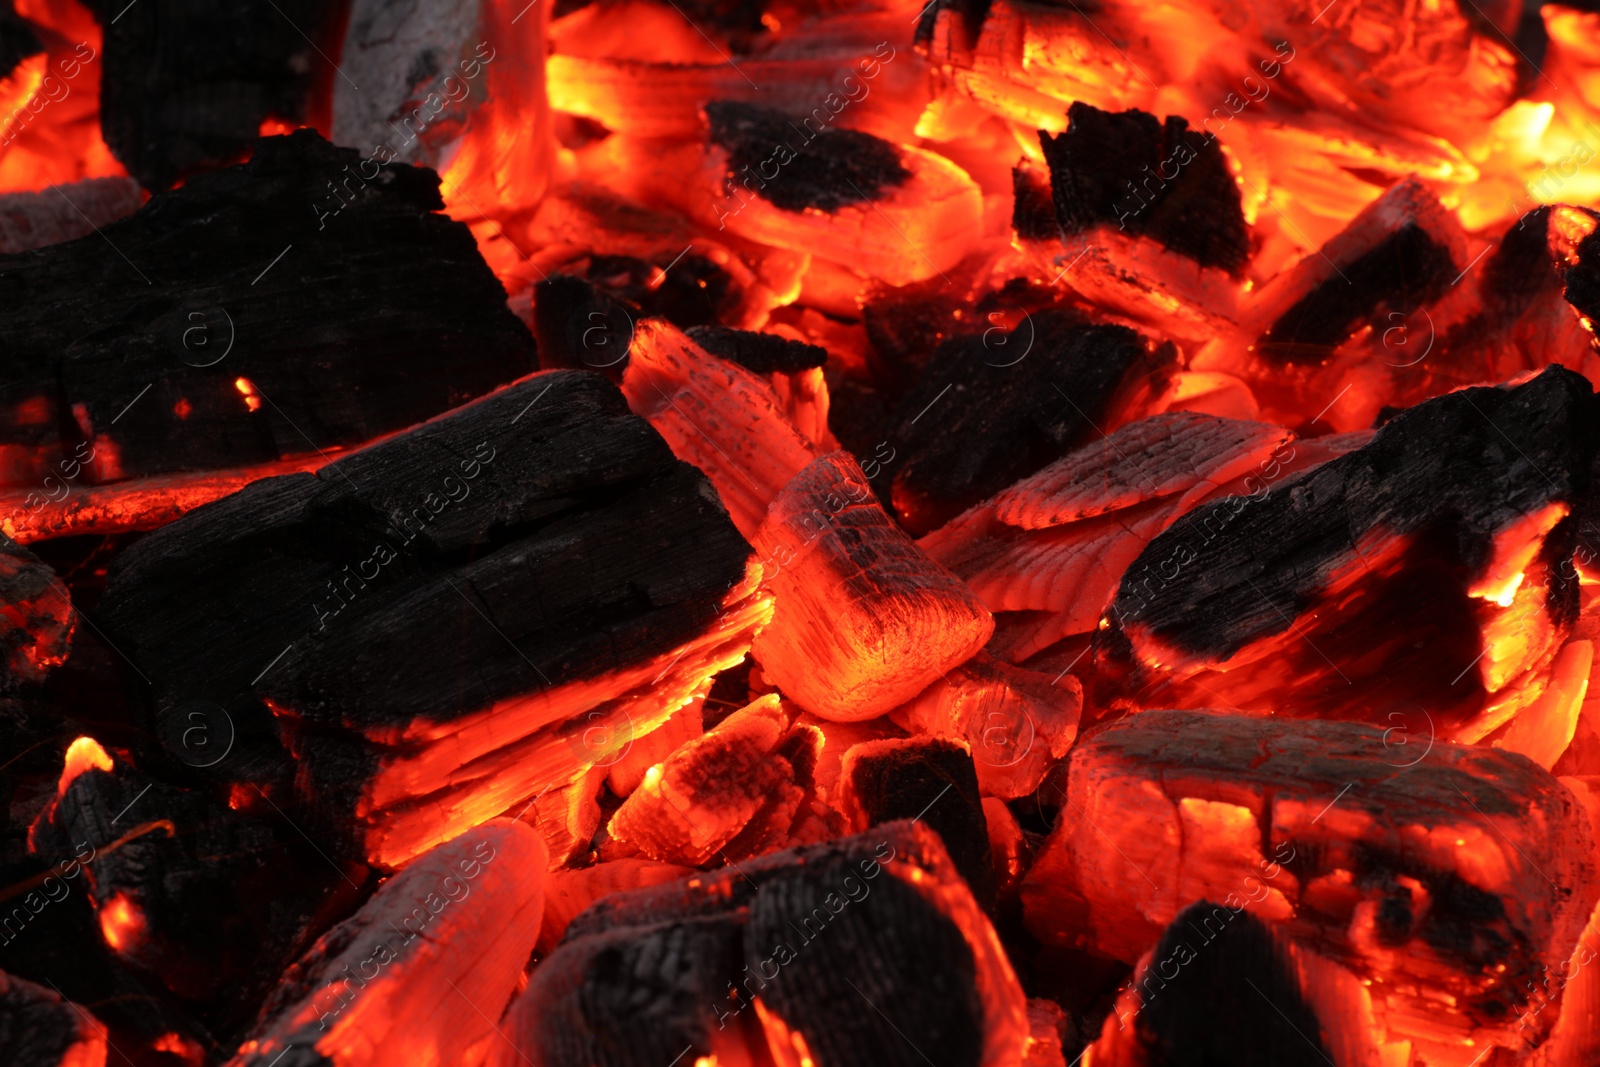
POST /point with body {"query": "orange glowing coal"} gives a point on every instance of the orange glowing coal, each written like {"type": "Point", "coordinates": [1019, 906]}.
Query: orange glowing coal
{"type": "Point", "coordinates": [83, 754]}
{"type": "Point", "coordinates": [247, 390]}
{"type": "Point", "coordinates": [121, 923]}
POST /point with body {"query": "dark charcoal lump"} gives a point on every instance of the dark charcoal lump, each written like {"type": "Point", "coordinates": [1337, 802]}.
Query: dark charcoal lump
{"type": "Point", "coordinates": [1033, 215]}
{"type": "Point", "coordinates": [1113, 167]}
{"type": "Point", "coordinates": [825, 170]}
{"type": "Point", "coordinates": [580, 325]}
{"type": "Point", "coordinates": [986, 413]}
{"type": "Point", "coordinates": [52, 938]}
{"type": "Point", "coordinates": [935, 782]}
{"type": "Point", "coordinates": [763, 353]}
{"type": "Point", "coordinates": [1407, 270]}
{"type": "Point", "coordinates": [890, 949]}
{"type": "Point", "coordinates": [341, 320]}
{"type": "Point", "coordinates": [1220, 991]}
{"type": "Point", "coordinates": [188, 82]}
{"type": "Point", "coordinates": [548, 508]}
{"type": "Point", "coordinates": [18, 40]}
{"type": "Point", "coordinates": [225, 904]}
{"type": "Point", "coordinates": [1449, 472]}
{"type": "Point", "coordinates": [820, 934]}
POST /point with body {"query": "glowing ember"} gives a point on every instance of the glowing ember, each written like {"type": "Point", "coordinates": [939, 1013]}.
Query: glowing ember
{"type": "Point", "coordinates": [121, 923]}
{"type": "Point", "coordinates": [83, 754]}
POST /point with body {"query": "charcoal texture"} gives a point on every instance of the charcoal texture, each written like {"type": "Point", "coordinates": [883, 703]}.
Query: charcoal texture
{"type": "Point", "coordinates": [826, 170]}
{"type": "Point", "coordinates": [1448, 472]}
{"type": "Point", "coordinates": [540, 536]}
{"type": "Point", "coordinates": [935, 782]}
{"type": "Point", "coordinates": [338, 324]}
{"type": "Point", "coordinates": [981, 417]}
{"type": "Point", "coordinates": [1160, 180]}
{"type": "Point", "coordinates": [1228, 966]}
{"type": "Point", "coordinates": [581, 325]}
{"type": "Point", "coordinates": [187, 83]}
{"type": "Point", "coordinates": [1408, 269]}
{"type": "Point", "coordinates": [679, 964]}
{"type": "Point", "coordinates": [763, 353]}
{"type": "Point", "coordinates": [225, 904]}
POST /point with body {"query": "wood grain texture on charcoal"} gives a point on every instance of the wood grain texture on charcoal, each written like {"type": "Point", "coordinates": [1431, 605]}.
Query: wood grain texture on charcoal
{"type": "Point", "coordinates": [576, 563]}
{"type": "Point", "coordinates": [422, 970]}
{"type": "Point", "coordinates": [1436, 870]}
{"type": "Point", "coordinates": [228, 324]}
{"type": "Point", "coordinates": [864, 619]}
{"type": "Point", "coordinates": [788, 951]}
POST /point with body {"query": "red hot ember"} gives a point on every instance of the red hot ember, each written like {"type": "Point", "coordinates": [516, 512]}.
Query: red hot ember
{"type": "Point", "coordinates": [634, 532]}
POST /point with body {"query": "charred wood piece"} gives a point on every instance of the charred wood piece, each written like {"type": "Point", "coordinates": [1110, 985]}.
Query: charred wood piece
{"type": "Point", "coordinates": [186, 87]}
{"type": "Point", "coordinates": [38, 1028]}
{"type": "Point", "coordinates": [1113, 167]}
{"type": "Point", "coordinates": [588, 570]}
{"type": "Point", "coordinates": [34, 220]}
{"type": "Point", "coordinates": [1059, 541]}
{"type": "Point", "coordinates": [202, 897]}
{"type": "Point", "coordinates": [984, 415]}
{"type": "Point", "coordinates": [833, 168]}
{"type": "Point", "coordinates": [36, 619]}
{"type": "Point", "coordinates": [282, 329]}
{"type": "Point", "coordinates": [715, 414]}
{"type": "Point", "coordinates": [1015, 722]}
{"type": "Point", "coordinates": [864, 619]}
{"type": "Point", "coordinates": [931, 781]}
{"type": "Point", "coordinates": [1458, 879]}
{"type": "Point", "coordinates": [788, 955]}
{"type": "Point", "coordinates": [690, 807]}
{"type": "Point", "coordinates": [1401, 252]}
{"type": "Point", "coordinates": [421, 972]}
{"type": "Point", "coordinates": [1455, 517]}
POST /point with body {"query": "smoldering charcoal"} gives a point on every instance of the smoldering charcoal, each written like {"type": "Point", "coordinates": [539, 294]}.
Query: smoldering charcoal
{"type": "Point", "coordinates": [649, 533]}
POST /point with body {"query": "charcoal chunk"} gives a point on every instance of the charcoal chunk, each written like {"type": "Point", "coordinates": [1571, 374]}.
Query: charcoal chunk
{"type": "Point", "coordinates": [985, 414]}
{"type": "Point", "coordinates": [1407, 270]}
{"type": "Point", "coordinates": [935, 782]}
{"type": "Point", "coordinates": [188, 82]}
{"type": "Point", "coordinates": [1229, 966]}
{"type": "Point", "coordinates": [235, 321]}
{"type": "Point", "coordinates": [1160, 180]}
{"type": "Point", "coordinates": [1469, 460]}
{"type": "Point", "coordinates": [825, 170]}
{"type": "Point", "coordinates": [763, 353]}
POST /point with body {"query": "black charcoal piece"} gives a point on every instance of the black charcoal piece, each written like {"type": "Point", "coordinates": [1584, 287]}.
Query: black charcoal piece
{"type": "Point", "coordinates": [973, 14]}
{"type": "Point", "coordinates": [547, 527]}
{"type": "Point", "coordinates": [255, 314]}
{"type": "Point", "coordinates": [935, 782]}
{"type": "Point", "coordinates": [1408, 269]}
{"type": "Point", "coordinates": [986, 413]}
{"type": "Point", "coordinates": [1153, 179]}
{"type": "Point", "coordinates": [763, 353]}
{"type": "Point", "coordinates": [1227, 966]}
{"type": "Point", "coordinates": [49, 935]}
{"type": "Point", "coordinates": [222, 905]}
{"type": "Point", "coordinates": [823, 169]}
{"type": "Point", "coordinates": [40, 1029]}
{"type": "Point", "coordinates": [581, 325]}
{"type": "Point", "coordinates": [682, 962]}
{"type": "Point", "coordinates": [1448, 473]}
{"type": "Point", "coordinates": [187, 83]}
